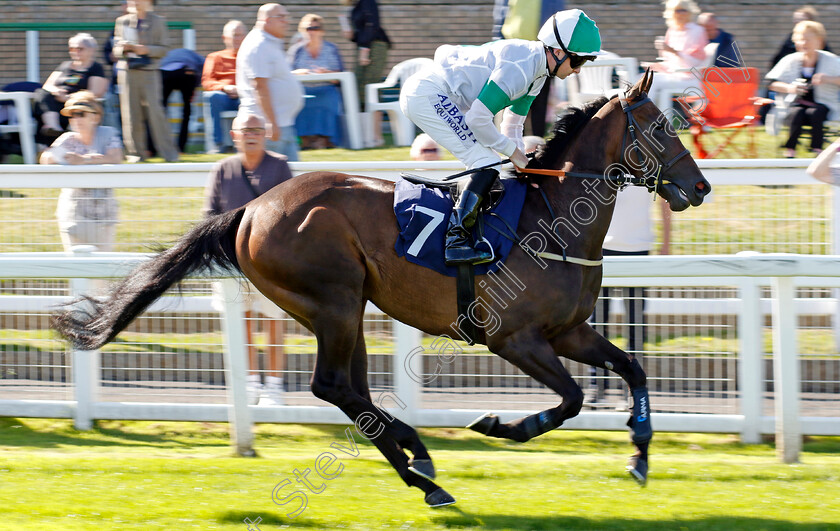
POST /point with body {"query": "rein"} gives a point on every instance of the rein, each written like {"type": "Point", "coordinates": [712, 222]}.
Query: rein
{"type": "Point", "coordinates": [652, 183]}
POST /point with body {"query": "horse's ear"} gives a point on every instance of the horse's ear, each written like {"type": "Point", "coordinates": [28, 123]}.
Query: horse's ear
{"type": "Point", "coordinates": [647, 80]}
{"type": "Point", "coordinates": [641, 85]}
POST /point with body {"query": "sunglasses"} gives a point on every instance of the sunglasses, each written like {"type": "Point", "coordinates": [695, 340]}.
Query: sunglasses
{"type": "Point", "coordinates": [252, 130]}
{"type": "Point", "coordinates": [575, 61]}
{"type": "Point", "coordinates": [681, 10]}
{"type": "Point", "coordinates": [429, 150]}
{"type": "Point", "coordinates": [313, 28]}
{"type": "Point", "coordinates": [78, 114]}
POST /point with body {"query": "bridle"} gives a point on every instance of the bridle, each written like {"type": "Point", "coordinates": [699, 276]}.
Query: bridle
{"type": "Point", "coordinates": [652, 182]}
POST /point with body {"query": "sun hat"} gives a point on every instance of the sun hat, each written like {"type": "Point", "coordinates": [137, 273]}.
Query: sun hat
{"type": "Point", "coordinates": [577, 32]}
{"type": "Point", "coordinates": [83, 100]}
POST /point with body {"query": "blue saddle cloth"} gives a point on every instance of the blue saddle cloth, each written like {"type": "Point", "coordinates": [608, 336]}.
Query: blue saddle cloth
{"type": "Point", "coordinates": [423, 216]}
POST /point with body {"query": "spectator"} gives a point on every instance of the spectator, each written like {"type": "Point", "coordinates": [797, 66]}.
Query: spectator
{"type": "Point", "coordinates": [630, 234]}
{"type": "Point", "coordinates": [725, 56]}
{"type": "Point", "coordinates": [813, 76]}
{"type": "Point", "coordinates": [112, 96]}
{"type": "Point", "coordinates": [86, 216]}
{"type": "Point", "coordinates": [265, 83]}
{"type": "Point", "coordinates": [180, 70]}
{"type": "Point", "coordinates": [826, 167]}
{"type": "Point", "coordinates": [319, 123]}
{"type": "Point", "coordinates": [141, 41]}
{"type": "Point", "coordinates": [680, 50]}
{"type": "Point", "coordinates": [372, 43]}
{"type": "Point", "coordinates": [81, 72]}
{"type": "Point", "coordinates": [233, 182]}
{"type": "Point", "coordinates": [518, 19]}
{"type": "Point", "coordinates": [424, 148]}
{"type": "Point", "coordinates": [788, 47]}
{"type": "Point", "coordinates": [219, 78]}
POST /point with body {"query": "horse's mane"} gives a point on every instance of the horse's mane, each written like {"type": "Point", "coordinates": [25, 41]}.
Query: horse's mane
{"type": "Point", "coordinates": [569, 123]}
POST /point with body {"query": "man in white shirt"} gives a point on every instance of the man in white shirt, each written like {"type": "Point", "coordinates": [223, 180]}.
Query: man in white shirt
{"type": "Point", "coordinates": [455, 99]}
{"type": "Point", "coordinates": [265, 83]}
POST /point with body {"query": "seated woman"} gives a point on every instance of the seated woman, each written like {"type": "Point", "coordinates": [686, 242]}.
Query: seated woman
{"type": "Point", "coordinates": [681, 50]}
{"type": "Point", "coordinates": [812, 77]}
{"type": "Point", "coordinates": [81, 72]}
{"type": "Point", "coordinates": [86, 216]}
{"type": "Point", "coordinates": [319, 123]}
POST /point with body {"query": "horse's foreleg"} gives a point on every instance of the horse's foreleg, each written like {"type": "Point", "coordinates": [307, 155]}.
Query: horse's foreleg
{"type": "Point", "coordinates": [342, 381]}
{"type": "Point", "coordinates": [584, 345]}
{"type": "Point", "coordinates": [535, 357]}
{"type": "Point", "coordinates": [405, 435]}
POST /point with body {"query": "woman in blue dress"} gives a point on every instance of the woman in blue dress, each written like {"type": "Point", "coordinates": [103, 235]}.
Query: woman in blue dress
{"type": "Point", "coordinates": [319, 123]}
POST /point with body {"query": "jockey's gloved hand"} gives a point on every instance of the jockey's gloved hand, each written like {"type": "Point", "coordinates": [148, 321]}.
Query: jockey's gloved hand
{"type": "Point", "coordinates": [518, 158]}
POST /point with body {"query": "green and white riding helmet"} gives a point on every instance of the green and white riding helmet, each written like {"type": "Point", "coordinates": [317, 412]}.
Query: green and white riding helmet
{"type": "Point", "coordinates": [575, 34]}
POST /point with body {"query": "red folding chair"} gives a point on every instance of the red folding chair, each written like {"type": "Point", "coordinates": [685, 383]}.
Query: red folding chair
{"type": "Point", "coordinates": [730, 103]}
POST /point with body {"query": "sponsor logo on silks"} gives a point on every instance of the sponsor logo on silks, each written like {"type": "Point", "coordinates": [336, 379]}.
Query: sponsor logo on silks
{"type": "Point", "coordinates": [450, 114]}
{"type": "Point", "coordinates": [543, 418]}
{"type": "Point", "coordinates": [643, 410]}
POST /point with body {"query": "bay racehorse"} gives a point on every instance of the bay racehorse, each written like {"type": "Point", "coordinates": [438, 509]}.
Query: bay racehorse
{"type": "Point", "coordinates": [322, 244]}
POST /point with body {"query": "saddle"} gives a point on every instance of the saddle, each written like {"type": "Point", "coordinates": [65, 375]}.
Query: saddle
{"type": "Point", "coordinates": [465, 278]}
{"type": "Point", "coordinates": [455, 188]}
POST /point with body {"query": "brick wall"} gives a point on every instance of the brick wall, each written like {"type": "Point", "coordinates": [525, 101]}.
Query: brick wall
{"type": "Point", "coordinates": [416, 28]}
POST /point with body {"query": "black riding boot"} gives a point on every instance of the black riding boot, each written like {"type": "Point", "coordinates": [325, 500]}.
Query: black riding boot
{"type": "Point", "coordinates": [459, 246]}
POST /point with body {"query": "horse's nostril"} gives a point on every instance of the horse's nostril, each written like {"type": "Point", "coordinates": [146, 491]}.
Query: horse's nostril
{"type": "Point", "coordinates": [700, 185]}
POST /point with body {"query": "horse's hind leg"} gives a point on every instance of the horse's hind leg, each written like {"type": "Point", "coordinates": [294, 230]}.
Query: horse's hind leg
{"type": "Point", "coordinates": [535, 357]}
{"type": "Point", "coordinates": [585, 345]}
{"type": "Point", "coordinates": [342, 380]}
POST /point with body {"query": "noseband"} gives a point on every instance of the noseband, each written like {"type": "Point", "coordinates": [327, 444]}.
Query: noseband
{"type": "Point", "coordinates": [652, 183]}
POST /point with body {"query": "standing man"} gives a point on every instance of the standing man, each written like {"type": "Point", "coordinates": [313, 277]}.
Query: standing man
{"type": "Point", "coordinates": [455, 99]}
{"type": "Point", "coordinates": [265, 83]}
{"type": "Point", "coordinates": [141, 41]}
{"type": "Point", "coordinates": [725, 56]}
{"type": "Point", "coordinates": [219, 78]}
{"type": "Point", "coordinates": [180, 70]}
{"type": "Point", "coordinates": [233, 182]}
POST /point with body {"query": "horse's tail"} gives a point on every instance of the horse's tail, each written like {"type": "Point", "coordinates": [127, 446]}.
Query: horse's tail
{"type": "Point", "coordinates": [88, 322]}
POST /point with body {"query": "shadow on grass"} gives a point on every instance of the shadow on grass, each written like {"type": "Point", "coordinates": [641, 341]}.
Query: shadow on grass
{"type": "Point", "coordinates": [459, 519]}
{"type": "Point", "coordinates": [14, 432]}
{"type": "Point", "coordinates": [262, 518]}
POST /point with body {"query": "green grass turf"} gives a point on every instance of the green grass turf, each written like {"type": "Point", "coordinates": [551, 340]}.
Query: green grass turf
{"type": "Point", "coordinates": [164, 475]}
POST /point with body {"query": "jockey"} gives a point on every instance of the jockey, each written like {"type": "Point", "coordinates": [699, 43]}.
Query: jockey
{"type": "Point", "coordinates": [483, 80]}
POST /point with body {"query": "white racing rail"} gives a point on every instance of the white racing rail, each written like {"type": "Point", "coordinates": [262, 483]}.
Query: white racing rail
{"type": "Point", "coordinates": [747, 272]}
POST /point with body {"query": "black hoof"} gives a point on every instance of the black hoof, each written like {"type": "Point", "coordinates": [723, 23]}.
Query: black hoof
{"type": "Point", "coordinates": [439, 498]}
{"type": "Point", "coordinates": [484, 424]}
{"type": "Point", "coordinates": [422, 467]}
{"type": "Point", "coordinates": [638, 468]}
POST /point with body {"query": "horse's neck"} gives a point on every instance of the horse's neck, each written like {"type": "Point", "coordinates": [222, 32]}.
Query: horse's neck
{"type": "Point", "coordinates": [587, 204]}
{"type": "Point", "coordinates": [583, 210]}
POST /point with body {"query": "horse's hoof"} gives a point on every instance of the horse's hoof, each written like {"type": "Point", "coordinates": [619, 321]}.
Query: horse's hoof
{"type": "Point", "coordinates": [439, 498]}
{"type": "Point", "coordinates": [484, 424]}
{"type": "Point", "coordinates": [422, 467]}
{"type": "Point", "coordinates": [638, 468]}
